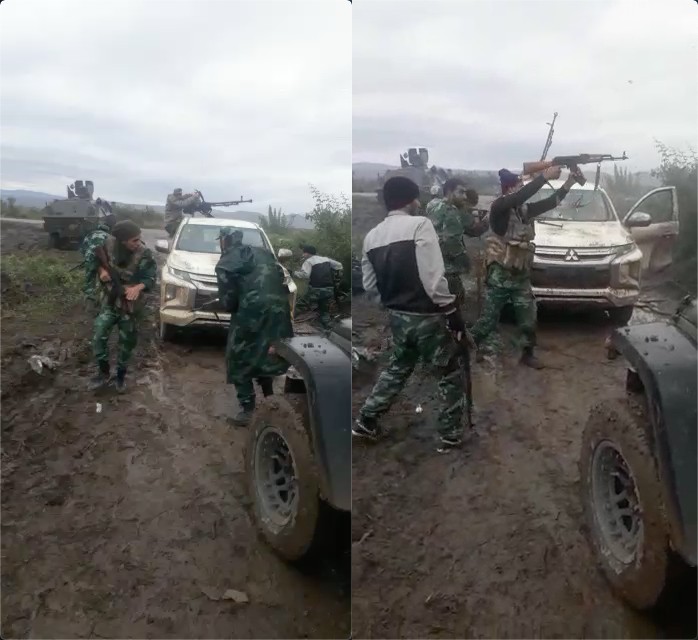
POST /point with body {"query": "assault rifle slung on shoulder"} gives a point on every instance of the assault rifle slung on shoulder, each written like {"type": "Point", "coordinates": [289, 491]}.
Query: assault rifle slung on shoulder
{"type": "Point", "coordinates": [571, 162]}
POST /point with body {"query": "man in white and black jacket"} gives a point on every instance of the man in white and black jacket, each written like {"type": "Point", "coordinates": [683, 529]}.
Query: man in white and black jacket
{"type": "Point", "coordinates": [321, 274]}
{"type": "Point", "coordinates": [403, 265]}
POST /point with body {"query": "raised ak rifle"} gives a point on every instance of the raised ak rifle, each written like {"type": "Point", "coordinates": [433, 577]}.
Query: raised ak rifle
{"type": "Point", "coordinates": [571, 162]}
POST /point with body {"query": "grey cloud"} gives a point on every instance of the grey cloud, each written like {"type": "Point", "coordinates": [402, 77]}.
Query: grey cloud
{"type": "Point", "coordinates": [249, 96]}
{"type": "Point", "coordinates": [477, 81]}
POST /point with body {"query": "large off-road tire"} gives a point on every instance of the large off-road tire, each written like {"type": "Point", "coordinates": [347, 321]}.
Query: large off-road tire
{"type": "Point", "coordinates": [282, 477]}
{"type": "Point", "coordinates": [622, 500]}
{"type": "Point", "coordinates": [620, 316]}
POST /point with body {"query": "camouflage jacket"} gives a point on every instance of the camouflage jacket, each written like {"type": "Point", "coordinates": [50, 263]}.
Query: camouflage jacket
{"type": "Point", "coordinates": [90, 242]}
{"type": "Point", "coordinates": [251, 286]}
{"type": "Point", "coordinates": [451, 224]}
{"type": "Point", "coordinates": [94, 238]}
{"type": "Point", "coordinates": [174, 207]}
{"type": "Point", "coordinates": [143, 272]}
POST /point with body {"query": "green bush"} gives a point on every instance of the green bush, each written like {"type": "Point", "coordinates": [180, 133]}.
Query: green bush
{"type": "Point", "coordinates": [680, 169]}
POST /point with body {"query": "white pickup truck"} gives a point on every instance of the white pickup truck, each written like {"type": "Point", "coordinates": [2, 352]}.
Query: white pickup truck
{"type": "Point", "coordinates": [188, 278]}
{"type": "Point", "coordinates": [587, 255]}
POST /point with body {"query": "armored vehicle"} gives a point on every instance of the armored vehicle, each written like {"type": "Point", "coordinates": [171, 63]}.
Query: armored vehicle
{"type": "Point", "coordinates": [414, 165]}
{"type": "Point", "coordinates": [638, 464]}
{"type": "Point", "coordinates": [68, 221]}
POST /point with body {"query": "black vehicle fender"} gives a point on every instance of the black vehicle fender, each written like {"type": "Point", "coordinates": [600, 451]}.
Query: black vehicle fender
{"type": "Point", "coordinates": [326, 373]}
{"type": "Point", "coordinates": [664, 359]}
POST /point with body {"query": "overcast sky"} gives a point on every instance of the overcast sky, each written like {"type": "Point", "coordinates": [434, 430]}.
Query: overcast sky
{"type": "Point", "coordinates": [233, 97]}
{"type": "Point", "coordinates": [476, 81]}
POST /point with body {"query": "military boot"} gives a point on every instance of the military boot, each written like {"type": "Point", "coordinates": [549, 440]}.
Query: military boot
{"type": "Point", "coordinates": [244, 416]}
{"type": "Point", "coordinates": [267, 385]}
{"type": "Point", "coordinates": [101, 379]}
{"type": "Point", "coordinates": [366, 427]}
{"type": "Point", "coordinates": [529, 359]}
{"type": "Point", "coordinates": [120, 380]}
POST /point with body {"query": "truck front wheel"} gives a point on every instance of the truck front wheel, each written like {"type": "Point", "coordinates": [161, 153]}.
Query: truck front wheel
{"type": "Point", "coordinates": [282, 476]}
{"type": "Point", "coordinates": [622, 500]}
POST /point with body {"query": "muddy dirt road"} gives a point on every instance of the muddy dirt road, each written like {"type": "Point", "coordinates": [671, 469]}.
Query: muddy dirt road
{"type": "Point", "coordinates": [130, 519]}
{"type": "Point", "coordinates": [487, 542]}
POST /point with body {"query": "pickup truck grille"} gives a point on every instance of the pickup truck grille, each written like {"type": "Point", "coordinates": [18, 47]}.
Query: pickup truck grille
{"type": "Point", "coordinates": [571, 278]}
{"type": "Point", "coordinates": [202, 297]}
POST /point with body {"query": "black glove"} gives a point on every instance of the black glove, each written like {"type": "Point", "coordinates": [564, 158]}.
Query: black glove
{"type": "Point", "coordinates": [455, 323]}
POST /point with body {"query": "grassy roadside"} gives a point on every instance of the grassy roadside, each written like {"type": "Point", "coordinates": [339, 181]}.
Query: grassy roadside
{"type": "Point", "coordinates": [39, 285]}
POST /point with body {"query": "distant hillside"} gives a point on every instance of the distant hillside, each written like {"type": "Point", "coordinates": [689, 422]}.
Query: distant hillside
{"type": "Point", "coordinates": [369, 170]}
{"type": "Point", "coordinates": [27, 198]}
{"type": "Point", "coordinates": [24, 198]}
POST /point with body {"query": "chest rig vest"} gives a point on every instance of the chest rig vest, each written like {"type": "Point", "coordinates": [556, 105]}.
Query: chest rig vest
{"type": "Point", "coordinates": [515, 249]}
{"type": "Point", "coordinates": [126, 273]}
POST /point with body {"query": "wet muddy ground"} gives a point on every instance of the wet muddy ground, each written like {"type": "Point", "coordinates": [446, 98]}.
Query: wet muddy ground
{"type": "Point", "coordinates": [488, 541]}
{"type": "Point", "coordinates": [127, 516]}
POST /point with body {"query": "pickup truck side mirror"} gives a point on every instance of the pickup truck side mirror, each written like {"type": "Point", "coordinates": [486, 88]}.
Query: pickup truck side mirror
{"type": "Point", "coordinates": [638, 219]}
{"type": "Point", "coordinates": [285, 255]}
{"type": "Point", "coordinates": [162, 246]}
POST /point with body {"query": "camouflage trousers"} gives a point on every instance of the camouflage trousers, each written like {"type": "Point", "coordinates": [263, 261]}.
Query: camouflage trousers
{"type": "Point", "coordinates": [505, 286]}
{"type": "Point", "coordinates": [105, 322]}
{"type": "Point", "coordinates": [321, 298]}
{"type": "Point", "coordinates": [247, 358]}
{"type": "Point", "coordinates": [424, 338]}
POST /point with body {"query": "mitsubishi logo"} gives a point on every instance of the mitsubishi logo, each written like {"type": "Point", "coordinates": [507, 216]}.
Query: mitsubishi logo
{"type": "Point", "coordinates": [571, 256]}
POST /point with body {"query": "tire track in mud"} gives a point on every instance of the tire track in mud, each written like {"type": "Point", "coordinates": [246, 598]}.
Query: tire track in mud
{"type": "Point", "coordinates": [487, 542]}
{"type": "Point", "coordinates": [132, 522]}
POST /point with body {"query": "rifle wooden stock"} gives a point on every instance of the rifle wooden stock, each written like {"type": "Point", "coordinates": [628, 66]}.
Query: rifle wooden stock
{"type": "Point", "coordinates": [529, 168]}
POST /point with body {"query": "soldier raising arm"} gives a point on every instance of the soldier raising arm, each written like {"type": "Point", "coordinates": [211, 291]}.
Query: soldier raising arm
{"type": "Point", "coordinates": [509, 253]}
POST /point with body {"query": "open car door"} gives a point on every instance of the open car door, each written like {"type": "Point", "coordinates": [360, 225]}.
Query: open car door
{"type": "Point", "coordinates": [657, 240]}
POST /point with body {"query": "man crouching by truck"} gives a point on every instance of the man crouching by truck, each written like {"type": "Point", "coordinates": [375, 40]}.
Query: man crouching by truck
{"type": "Point", "coordinates": [130, 262]}
{"type": "Point", "coordinates": [320, 272]}
{"type": "Point", "coordinates": [509, 252]}
{"type": "Point", "coordinates": [251, 287]}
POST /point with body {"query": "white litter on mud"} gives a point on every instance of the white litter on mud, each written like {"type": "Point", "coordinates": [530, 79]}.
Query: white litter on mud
{"type": "Point", "coordinates": [39, 363]}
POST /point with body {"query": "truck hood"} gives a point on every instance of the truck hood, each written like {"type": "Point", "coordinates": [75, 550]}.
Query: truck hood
{"type": "Point", "coordinates": [581, 234]}
{"type": "Point", "coordinates": [203, 264]}
{"type": "Point", "coordinates": [200, 263]}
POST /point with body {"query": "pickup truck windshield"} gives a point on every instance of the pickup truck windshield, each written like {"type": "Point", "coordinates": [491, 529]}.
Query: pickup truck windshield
{"type": "Point", "coordinates": [578, 206]}
{"type": "Point", "coordinates": [200, 238]}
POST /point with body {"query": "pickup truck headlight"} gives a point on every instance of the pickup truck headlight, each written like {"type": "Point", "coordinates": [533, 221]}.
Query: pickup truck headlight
{"type": "Point", "coordinates": [178, 273]}
{"type": "Point", "coordinates": [624, 249]}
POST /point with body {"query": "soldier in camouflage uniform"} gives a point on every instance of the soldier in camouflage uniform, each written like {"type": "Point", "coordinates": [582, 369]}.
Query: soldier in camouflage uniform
{"type": "Point", "coordinates": [251, 286]}
{"type": "Point", "coordinates": [174, 208]}
{"type": "Point", "coordinates": [509, 253]}
{"type": "Point", "coordinates": [452, 220]}
{"type": "Point", "coordinates": [136, 267]}
{"type": "Point", "coordinates": [402, 264]}
{"type": "Point", "coordinates": [321, 274]}
{"type": "Point", "coordinates": [93, 239]}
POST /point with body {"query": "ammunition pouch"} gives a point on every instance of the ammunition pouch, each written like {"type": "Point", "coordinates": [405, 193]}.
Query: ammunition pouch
{"type": "Point", "coordinates": [518, 254]}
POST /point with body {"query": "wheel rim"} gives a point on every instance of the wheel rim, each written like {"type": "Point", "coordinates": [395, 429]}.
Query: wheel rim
{"type": "Point", "coordinates": [616, 502]}
{"type": "Point", "coordinates": [275, 477]}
